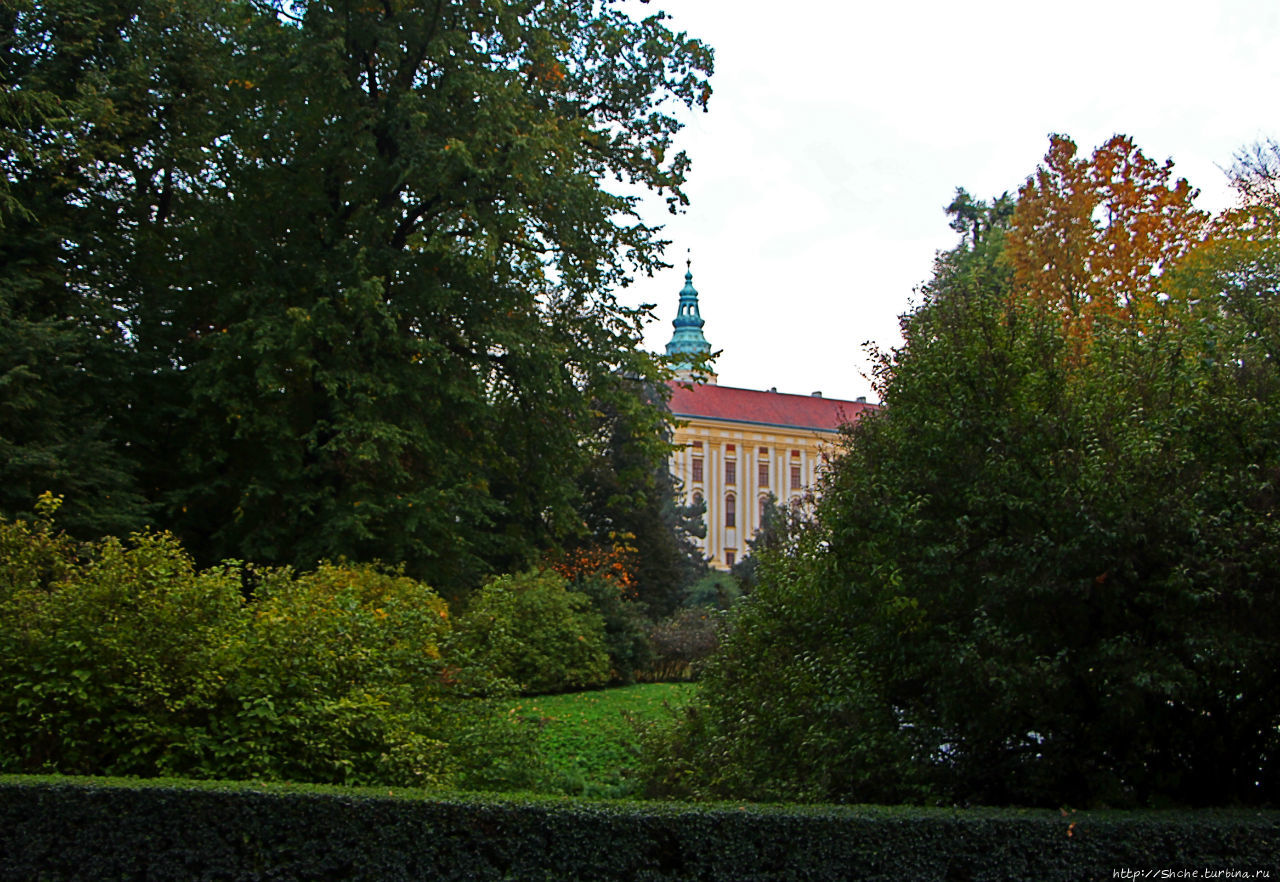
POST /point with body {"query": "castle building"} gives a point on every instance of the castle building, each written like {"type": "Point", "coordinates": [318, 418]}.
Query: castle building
{"type": "Point", "coordinates": [737, 447]}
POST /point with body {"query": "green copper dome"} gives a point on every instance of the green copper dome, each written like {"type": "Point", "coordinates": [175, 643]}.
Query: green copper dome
{"type": "Point", "coordinates": [687, 340]}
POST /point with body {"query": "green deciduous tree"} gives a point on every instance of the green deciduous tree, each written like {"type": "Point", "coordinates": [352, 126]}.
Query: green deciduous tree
{"type": "Point", "coordinates": [1046, 572]}
{"type": "Point", "coordinates": [353, 260]}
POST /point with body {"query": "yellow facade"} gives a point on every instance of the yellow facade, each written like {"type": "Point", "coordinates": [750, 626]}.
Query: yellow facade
{"type": "Point", "coordinates": [734, 465]}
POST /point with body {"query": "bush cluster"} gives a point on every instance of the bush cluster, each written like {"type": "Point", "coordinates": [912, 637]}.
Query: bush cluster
{"type": "Point", "coordinates": [682, 641]}
{"type": "Point", "coordinates": [542, 634]}
{"type": "Point", "coordinates": [122, 658]}
{"type": "Point", "coordinates": [648, 641]}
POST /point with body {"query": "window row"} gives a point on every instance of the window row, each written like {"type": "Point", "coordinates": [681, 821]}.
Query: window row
{"type": "Point", "coordinates": [762, 475]}
{"type": "Point", "coordinates": [731, 507]}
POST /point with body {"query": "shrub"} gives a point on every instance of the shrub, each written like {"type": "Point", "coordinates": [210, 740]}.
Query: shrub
{"type": "Point", "coordinates": [338, 679]}
{"type": "Point", "coordinates": [111, 664]}
{"type": "Point", "coordinates": [716, 590]}
{"type": "Point", "coordinates": [531, 629]}
{"type": "Point", "coordinates": [626, 629]}
{"type": "Point", "coordinates": [682, 641]}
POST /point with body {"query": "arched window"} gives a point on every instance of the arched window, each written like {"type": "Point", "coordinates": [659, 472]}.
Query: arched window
{"type": "Point", "coordinates": [730, 510]}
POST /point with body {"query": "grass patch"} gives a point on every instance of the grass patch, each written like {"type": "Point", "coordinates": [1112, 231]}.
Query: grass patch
{"type": "Point", "coordinates": [589, 740]}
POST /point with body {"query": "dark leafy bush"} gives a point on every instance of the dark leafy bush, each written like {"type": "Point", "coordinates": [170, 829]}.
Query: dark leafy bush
{"type": "Point", "coordinates": [626, 629]}
{"type": "Point", "coordinates": [716, 590]}
{"type": "Point", "coordinates": [682, 641]}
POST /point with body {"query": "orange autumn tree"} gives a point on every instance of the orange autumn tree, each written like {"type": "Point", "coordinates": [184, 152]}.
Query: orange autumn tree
{"type": "Point", "coordinates": [1093, 237]}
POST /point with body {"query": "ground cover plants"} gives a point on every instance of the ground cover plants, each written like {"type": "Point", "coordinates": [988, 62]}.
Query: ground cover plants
{"type": "Point", "coordinates": [590, 742]}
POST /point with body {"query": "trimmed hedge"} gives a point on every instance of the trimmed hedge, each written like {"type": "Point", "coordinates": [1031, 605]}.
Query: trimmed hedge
{"type": "Point", "coordinates": [91, 829]}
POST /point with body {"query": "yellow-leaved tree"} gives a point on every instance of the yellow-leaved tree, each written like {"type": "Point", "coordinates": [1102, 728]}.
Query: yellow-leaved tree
{"type": "Point", "coordinates": [1093, 236]}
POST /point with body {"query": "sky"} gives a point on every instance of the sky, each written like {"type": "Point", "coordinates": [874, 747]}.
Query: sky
{"type": "Point", "coordinates": [838, 132]}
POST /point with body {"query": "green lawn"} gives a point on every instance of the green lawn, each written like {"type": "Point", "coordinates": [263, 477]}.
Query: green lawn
{"type": "Point", "coordinates": [589, 739]}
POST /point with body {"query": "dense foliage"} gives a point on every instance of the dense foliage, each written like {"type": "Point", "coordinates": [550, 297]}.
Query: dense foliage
{"type": "Point", "coordinates": [110, 830]}
{"type": "Point", "coordinates": [1047, 572]}
{"type": "Point", "coordinates": [300, 280]}
{"type": "Point", "coordinates": [630, 493]}
{"type": "Point", "coordinates": [532, 630]}
{"type": "Point", "coordinates": [123, 658]}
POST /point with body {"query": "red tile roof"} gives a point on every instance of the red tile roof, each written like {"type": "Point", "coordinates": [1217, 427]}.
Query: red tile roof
{"type": "Point", "coordinates": [764, 408]}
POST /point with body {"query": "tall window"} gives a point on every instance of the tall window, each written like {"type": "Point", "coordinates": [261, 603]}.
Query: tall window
{"type": "Point", "coordinates": [730, 510]}
{"type": "Point", "coordinates": [730, 557]}
{"type": "Point", "coordinates": [795, 476]}
{"type": "Point", "coordinates": [730, 471]}
{"type": "Point", "coordinates": [764, 474]}
{"type": "Point", "coordinates": [697, 469]}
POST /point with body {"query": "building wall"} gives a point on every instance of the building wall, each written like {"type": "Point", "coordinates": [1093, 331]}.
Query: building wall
{"type": "Point", "coordinates": [749, 447]}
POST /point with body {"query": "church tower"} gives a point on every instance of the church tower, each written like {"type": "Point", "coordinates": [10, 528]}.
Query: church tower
{"type": "Point", "coordinates": [688, 342]}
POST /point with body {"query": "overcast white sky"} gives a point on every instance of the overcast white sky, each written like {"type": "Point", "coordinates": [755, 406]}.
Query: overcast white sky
{"type": "Point", "coordinates": [839, 131]}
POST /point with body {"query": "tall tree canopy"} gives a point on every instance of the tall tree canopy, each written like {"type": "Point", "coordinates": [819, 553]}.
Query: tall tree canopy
{"type": "Point", "coordinates": [1046, 572]}
{"type": "Point", "coordinates": [348, 264]}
